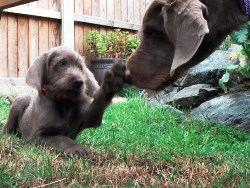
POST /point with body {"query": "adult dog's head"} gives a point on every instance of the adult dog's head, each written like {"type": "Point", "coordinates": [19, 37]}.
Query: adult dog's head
{"type": "Point", "coordinates": [60, 74]}
{"type": "Point", "coordinates": [178, 34]}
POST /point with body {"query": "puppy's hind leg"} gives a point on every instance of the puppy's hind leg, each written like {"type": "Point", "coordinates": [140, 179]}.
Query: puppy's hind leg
{"type": "Point", "coordinates": [16, 112]}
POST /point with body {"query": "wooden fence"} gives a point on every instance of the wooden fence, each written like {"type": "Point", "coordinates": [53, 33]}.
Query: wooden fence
{"type": "Point", "coordinates": [28, 30]}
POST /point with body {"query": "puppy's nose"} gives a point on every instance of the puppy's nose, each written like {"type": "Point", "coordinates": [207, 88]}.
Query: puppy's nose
{"type": "Point", "coordinates": [78, 83]}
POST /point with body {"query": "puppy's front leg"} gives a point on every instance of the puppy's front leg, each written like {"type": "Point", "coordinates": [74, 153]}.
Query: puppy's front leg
{"type": "Point", "coordinates": [114, 81]}
{"type": "Point", "coordinates": [65, 144]}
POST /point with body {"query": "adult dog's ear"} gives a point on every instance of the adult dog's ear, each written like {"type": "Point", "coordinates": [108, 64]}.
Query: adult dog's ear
{"type": "Point", "coordinates": [36, 72]}
{"type": "Point", "coordinates": [185, 26]}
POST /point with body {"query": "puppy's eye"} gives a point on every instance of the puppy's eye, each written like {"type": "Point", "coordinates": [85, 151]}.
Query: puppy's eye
{"type": "Point", "coordinates": [62, 63]}
{"type": "Point", "coordinates": [81, 68]}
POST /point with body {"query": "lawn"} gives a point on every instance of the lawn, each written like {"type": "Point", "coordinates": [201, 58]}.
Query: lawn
{"type": "Point", "coordinates": [135, 146]}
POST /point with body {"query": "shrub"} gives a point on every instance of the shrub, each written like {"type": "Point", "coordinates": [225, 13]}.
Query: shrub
{"type": "Point", "coordinates": [242, 70]}
{"type": "Point", "coordinates": [116, 44]}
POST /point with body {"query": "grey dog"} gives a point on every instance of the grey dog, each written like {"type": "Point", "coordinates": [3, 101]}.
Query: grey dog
{"type": "Point", "coordinates": [68, 101]}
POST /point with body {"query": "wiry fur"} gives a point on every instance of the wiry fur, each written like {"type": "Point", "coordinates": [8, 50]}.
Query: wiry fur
{"type": "Point", "coordinates": [68, 101]}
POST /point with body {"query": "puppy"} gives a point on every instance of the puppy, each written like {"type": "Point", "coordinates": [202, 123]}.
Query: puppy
{"type": "Point", "coordinates": [69, 100]}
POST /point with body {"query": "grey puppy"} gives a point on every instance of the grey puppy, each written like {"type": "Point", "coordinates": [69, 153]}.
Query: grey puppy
{"type": "Point", "coordinates": [68, 101]}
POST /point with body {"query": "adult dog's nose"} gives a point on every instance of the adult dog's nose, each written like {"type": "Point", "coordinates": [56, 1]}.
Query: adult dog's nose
{"type": "Point", "coordinates": [78, 83]}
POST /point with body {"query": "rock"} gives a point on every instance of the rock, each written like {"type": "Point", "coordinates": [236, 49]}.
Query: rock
{"type": "Point", "coordinates": [164, 97]}
{"type": "Point", "coordinates": [158, 100]}
{"type": "Point", "coordinates": [232, 109]}
{"type": "Point", "coordinates": [210, 70]}
{"type": "Point", "coordinates": [168, 96]}
{"type": "Point", "coordinates": [194, 95]}
{"type": "Point", "coordinates": [157, 104]}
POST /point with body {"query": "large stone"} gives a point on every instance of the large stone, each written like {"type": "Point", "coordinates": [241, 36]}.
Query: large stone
{"type": "Point", "coordinates": [164, 97]}
{"type": "Point", "coordinates": [210, 70]}
{"type": "Point", "coordinates": [159, 100]}
{"type": "Point", "coordinates": [232, 109]}
{"type": "Point", "coordinates": [194, 95]}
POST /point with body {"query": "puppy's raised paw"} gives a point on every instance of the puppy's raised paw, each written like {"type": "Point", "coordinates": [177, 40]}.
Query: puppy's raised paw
{"type": "Point", "coordinates": [114, 79]}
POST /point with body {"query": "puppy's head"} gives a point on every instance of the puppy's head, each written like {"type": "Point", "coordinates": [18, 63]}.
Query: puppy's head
{"type": "Point", "coordinates": [60, 74]}
{"type": "Point", "coordinates": [172, 31]}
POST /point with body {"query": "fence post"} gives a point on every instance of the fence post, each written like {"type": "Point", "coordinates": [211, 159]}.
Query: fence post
{"type": "Point", "coordinates": [67, 34]}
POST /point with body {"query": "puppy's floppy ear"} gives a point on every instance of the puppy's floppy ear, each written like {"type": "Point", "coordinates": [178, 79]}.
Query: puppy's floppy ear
{"type": "Point", "coordinates": [37, 70]}
{"type": "Point", "coordinates": [185, 27]}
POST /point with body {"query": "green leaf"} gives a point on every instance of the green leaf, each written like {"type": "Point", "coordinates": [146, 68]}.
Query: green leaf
{"type": "Point", "coordinates": [233, 68]}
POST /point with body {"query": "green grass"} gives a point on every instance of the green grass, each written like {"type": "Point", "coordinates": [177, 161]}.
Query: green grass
{"type": "Point", "coordinates": [136, 146]}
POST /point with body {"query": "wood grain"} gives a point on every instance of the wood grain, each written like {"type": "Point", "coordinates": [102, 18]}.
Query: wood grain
{"type": "Point", "coordinates": [23, 45]}
{"type": "Point", "coordinates": [54, 33]}
{"type": "Point", "coordinates": [33, 39]}
{"type": "Point", "coordinates": [43, 42]}
{"type": "Point", "coordinates": [12, 46]}
{"type": "Point", "coordinates": [3, 46]}
{"type": "Point", "coordinates": [131, 11]}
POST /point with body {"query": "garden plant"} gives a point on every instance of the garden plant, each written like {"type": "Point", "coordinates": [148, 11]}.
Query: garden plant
{"type": "Point", "coordinates": [238, 76]}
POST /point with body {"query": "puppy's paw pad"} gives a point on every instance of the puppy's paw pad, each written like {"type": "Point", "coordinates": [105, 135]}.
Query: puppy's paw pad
{"type": "Point", "coordinates": [114, 78]}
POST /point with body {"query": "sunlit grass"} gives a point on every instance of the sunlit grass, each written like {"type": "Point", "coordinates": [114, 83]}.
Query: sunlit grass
{"type": "Point", "coordinates": [136, 146]}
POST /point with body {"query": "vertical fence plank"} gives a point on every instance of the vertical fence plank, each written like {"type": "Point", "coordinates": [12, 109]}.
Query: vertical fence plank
{"type": "Point", "coordinates": [43, 4]}
{"type": "Point", "coordinates": [23, 45]}
{"type": "Point", "coordinates": [67, 8]}
{"type": "Point", "coordinates": [142, 9]}
{"type": "Point", "coordinates": [137, 11]}
{"type": "Point", "coordinates": [131, 11]}
{"type": "Point", "coordinates": [54, 34]}
{"type": "Point", "coordinates": [54, 5]}
{"type": "Point", "coordinates": [103, 14]}
{"type": "Point", "coordinates": [33, 39]}
{"type": "Point", "coordinates": [78, 7]}
{"type": "Point", "coordinates": [96, 13]}
{"type": "Point", "coordinates": [43, 29]}
{"type": "Point", "coordinates": [103, 8]}
{"type": "Point", "coordinates": [118, 14]}
{"type": "Point", "coordinates": [43, 35]}
{"type": "Point", "coordinates": [124, 5]}
{"type": "Point", "coordinates": [3, 46]}
{"type": "Point", "coordinates": [110, 12]}
{"type": "Point", "coordinates": [87, 10]}
{"type": "Point", "coordinates": [86, 30]}
{"type": "Point", "coordinates": [79, 42]}
{"type": "Point", "coordinates": [110, 9]}
{"type": "Point", "coordinates": [96, 8]}
{"type": "Point", "coordinates": [12, 45]}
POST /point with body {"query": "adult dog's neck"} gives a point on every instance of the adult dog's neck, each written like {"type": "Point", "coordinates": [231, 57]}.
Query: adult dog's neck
{"type": "Point", "coordinates": [245, 7]}
{"type": "Point", "coordinates": [227, 13]}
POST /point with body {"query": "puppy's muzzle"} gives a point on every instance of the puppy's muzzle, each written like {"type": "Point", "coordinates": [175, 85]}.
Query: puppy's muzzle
{"type": "Point", "coordinates": [77, 83]}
